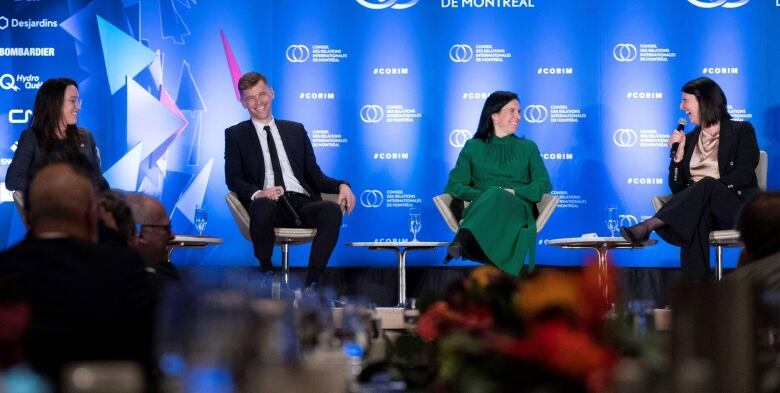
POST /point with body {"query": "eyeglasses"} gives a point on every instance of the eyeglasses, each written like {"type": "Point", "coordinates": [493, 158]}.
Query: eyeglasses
{"type": "Point", "coordinates": [165, 228]}
{"type": "Point", "coordinates": [76, 101]}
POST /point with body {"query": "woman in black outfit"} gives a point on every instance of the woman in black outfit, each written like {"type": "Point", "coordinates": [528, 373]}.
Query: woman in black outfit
{"type": "Point", "coordinates": [711, 174]}
{"type": "Point", "coordinates": [52, 133]}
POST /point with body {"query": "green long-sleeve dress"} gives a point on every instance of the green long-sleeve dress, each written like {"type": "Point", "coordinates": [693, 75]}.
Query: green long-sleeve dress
{"type": "Point", "coordinates": [503, 223]}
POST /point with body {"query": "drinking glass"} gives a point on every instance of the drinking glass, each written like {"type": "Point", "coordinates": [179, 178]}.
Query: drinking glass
{"type": "Point", "coordinates": [201, 219]}
{"type": "Point", "coordinates": [411, 313]}
{"type": "Point", "coordinates": [612, 220]}
{"type": "Point", "coordinates": [415, 222]}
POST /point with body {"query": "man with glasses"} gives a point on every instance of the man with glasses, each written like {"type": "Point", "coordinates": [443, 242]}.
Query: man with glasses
{"type": "Point", "coordinates": [270, 165]}
{"type": "Point", "coordinates": [153, 233]}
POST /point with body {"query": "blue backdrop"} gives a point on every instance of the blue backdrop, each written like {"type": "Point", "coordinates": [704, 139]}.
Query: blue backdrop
{"type": "Point", "coordinates": [389, 91]}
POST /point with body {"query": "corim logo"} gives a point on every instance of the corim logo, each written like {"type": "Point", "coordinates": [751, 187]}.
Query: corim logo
{"type": "Point", "coordinates": [19, 116]}
{"type": "Point", "coordinates": [626, 220]}
{"type": "Point", "coordinates": [297, 53]}
{"type": "Point", "coordinates": [371, 198]}
{"type": "Point", "coordinates": [718, 3]}
{"type": "Point", "coordinates": [458, 138]}
{"type": "Point", "coordinates": [624, 52]}
{"type": "Point", "coordinates": [625, 137]}
{"type": "Point", "coordinates": [535, 113]}
{"type": "Point", "coordinates": [8, 82]}
{"type": "Point", "coordinates": [384, 4]}
{"type": "Point", "coordinates": [371, 113]}
{"type": "Point", "coordinates": [461, 53]}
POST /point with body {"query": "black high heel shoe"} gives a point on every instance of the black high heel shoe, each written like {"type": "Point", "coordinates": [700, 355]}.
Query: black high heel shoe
{"type": "Point", "coordinates": [454, 250]}
{"type": "Point", "coordinates": [631, 238]}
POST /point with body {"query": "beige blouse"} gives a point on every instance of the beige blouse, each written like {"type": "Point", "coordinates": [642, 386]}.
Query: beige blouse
{"type": "Point", "coordinates": [704, 161]}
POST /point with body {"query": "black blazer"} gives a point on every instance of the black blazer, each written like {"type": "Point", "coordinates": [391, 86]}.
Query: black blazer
{"type": "Point", "coordinates": [737, 159]}
{"type": "Point", "coordinates": [245, 168]}
{"type": "Point", "coordinates": [89, 301]}
{"type": "Point", "coordinates": [29, 156]}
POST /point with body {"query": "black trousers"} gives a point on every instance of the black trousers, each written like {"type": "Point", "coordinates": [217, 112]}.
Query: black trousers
{"type": "Point", "coordinates": [325, 216]}
{"type": "Point", "coordinates": [690, 215]}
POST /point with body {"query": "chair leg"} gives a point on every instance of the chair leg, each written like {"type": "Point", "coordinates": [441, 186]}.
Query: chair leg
{"type": "Point", "coordinates": [286, 262]}
{"type": "Point", "coordinates": [719, 262]}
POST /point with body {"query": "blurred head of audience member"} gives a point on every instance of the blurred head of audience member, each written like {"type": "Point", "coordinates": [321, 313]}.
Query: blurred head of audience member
{"type": "Point", "coordinates": [153, 234]}
{"type": "Point", "coordinates": [117, 226]}
{"type": "Point", "coordinates": [759, 226]}
{"type": "Point", "coordinates": [61, 199]}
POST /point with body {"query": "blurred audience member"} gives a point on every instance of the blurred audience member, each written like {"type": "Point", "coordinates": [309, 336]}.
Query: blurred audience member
{"type": "Point", "coordinates": [116, 226]}
{"type": "Point", "coordinates": [153, 234]}
{"type": "Point", "coordinates": [759, 225]}
{"type": "Point", "coordinates": [88, 301]}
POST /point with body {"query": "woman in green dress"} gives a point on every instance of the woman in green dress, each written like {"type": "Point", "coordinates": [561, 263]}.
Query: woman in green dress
{"type": "Point", "coordinates": [503, 176]}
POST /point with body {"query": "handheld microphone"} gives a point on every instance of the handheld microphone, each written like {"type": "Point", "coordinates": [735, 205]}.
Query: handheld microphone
{"type": "Point", "coordinates": [290, 208]}
{"type": "Point", "coordinates": [680, 127]}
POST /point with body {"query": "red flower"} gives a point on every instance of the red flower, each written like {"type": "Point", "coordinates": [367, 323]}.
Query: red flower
{"type": "Point", "coordinates": [560, 348]}
{"type": "Point", "coordinates": [440, 318]}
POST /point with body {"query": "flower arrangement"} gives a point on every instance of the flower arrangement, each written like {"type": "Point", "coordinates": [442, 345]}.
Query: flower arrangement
{"type": "Point", "coordinates": [546, 332]}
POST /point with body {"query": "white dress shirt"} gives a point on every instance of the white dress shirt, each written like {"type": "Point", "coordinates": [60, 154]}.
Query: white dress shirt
{"type": "Point", "coordinates": [291, 183]}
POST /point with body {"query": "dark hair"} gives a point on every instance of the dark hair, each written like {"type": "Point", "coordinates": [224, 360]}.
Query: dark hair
{"type": "Point", "coordinates": [47, 114]}
{"type": "Point", "coordinates": [712, 100]}
{"type": "Point", "coordinates": [248, 80]}
{"type": "Point", "coordinates": [493, 104]}
{"type": "Point", "coordinates": [758, 225]}
{"type": "Point", "coordinates": [113, 202]}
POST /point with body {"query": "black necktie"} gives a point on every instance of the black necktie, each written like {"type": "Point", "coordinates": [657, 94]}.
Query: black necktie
{"type": "Point", "coordinates": [278, 178]}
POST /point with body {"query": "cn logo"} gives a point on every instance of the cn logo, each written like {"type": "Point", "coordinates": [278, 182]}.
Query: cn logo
{"type": "Point", "coordinates": [384, 4]}
{"type": "Point", "coordinates": [458, 138]}
{"type": "Point", "coordinates": [535, 113]}
{"type": "Point", "coordinates": [371, 113]}
{"type": "Point", "coordinates": [718, 3]}
{"type": "Point", "coordinates": [627, 220]}
{"type": "Point", "coordinates": [461, 53]}
{"type": "Point", "coordinates": [371, 198]}
{"type": "Point", "coordinates": [19, 116]}
{"type": "Point", "coordinates": [624, 52]}
{"type": "Point", "coordinates": [297, 53]}
{"type": "Point", "coordinates": [625, 137]}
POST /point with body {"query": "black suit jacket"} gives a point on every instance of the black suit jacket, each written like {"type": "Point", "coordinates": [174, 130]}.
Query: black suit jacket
{"type": "Point", "coordinates": [737, 159]}
{"type": "Point", "coordinates": [89, 302]}
{"type": "Point", "coordinates": [245, 168]}
{"type": "Point", "coordinates": [29, 156]}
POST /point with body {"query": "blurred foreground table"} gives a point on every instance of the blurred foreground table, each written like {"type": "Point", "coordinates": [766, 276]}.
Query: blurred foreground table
{"type": "Point", "coordinates": [601, 245]}
{"type": "Point", "coordinates": [191, 241]}
{"type": "Point", "coordinates": [400, 248]}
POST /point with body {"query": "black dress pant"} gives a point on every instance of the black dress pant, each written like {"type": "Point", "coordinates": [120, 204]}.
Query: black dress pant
{"type": "Point", "coordinates": [325, 216]}
{"type": "Point", "coordinates": [690, 215]}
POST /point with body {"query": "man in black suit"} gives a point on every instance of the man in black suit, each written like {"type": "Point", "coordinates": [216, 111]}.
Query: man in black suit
{"type": "Point", "coordinates": [270, 165]}
{"type": "Point", "coordinates": [88, 301]}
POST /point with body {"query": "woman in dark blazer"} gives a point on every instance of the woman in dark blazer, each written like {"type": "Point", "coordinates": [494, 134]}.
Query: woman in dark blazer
{"type": "Point", "coordinates": [52, 132]}
{"type": "Point", "coordinates": [711, 174]}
